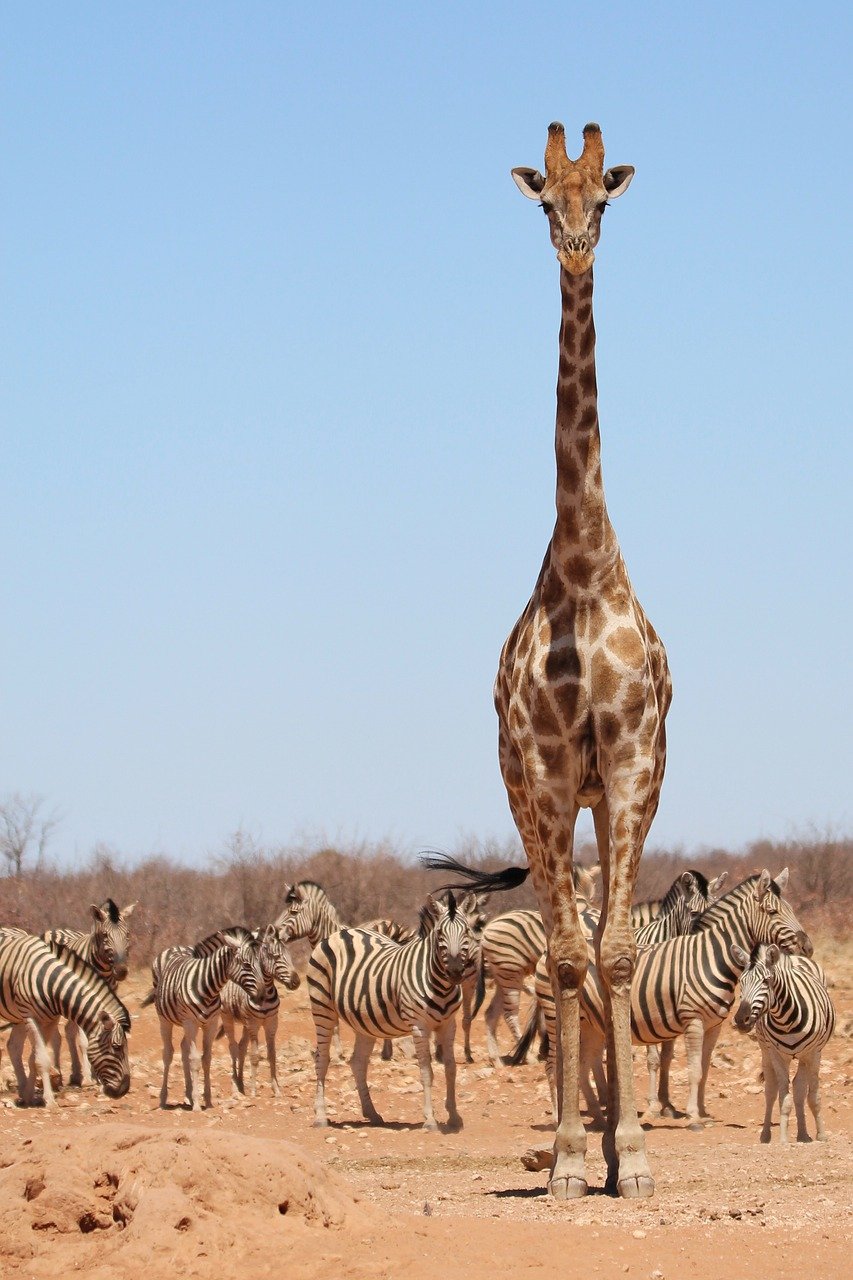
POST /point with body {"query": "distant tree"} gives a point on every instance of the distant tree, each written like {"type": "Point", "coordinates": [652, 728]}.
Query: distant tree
{"type": "Point", "coordinates": [24, 832]}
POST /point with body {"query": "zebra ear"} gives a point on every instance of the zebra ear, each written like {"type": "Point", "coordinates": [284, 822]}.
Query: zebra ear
{"type": "Point", "coordinates": [716, 885]}
{"type": "Point", "coordinates": [470, 904]}
{"type": "Point", "coordinates": [231, 940]}
{"type": "Point", "coordinates": [782, 879]}
{"type": "Point", "coordinates": [764, 881]}
{"type": "Point", "coordinates": [687, 880]}
{"type": "Point", "coordinates": [128, 911]}
{"type": "Point", "coordinates": [739, 956]}
{"type": "Point", "coordinates": [97, 913]}
{"type": "Point", "coordinates": [269, 934]}
{"type": "Point", "coordinates": [106, 1020]}
{"type": "Point", "coordinates": [771, 955]}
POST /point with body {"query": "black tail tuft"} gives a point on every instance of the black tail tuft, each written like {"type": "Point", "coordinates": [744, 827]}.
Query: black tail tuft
{"type": "Point", "coordinates": [489, 881]}
{"type": "Point", "coordinates": [147, 1000]}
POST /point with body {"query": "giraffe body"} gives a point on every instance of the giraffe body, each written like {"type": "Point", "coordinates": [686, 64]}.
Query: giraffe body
{"type": "Point", "coordinates": [582, 693]}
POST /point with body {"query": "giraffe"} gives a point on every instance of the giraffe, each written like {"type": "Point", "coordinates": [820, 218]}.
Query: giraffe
{"type": "Point", "coordinates": [581, 693]}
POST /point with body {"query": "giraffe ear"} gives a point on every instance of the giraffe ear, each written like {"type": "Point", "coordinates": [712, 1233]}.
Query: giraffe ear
{"type": "Point", "coordinates": [618, 179]}
{"type": "Point", "coordinates": [529, 182]}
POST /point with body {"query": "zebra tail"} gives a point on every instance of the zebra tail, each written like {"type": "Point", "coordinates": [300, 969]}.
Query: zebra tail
{"type": "Point", "coordinates": [528, 1035]}
{"type": "Point", "coordinates": [146, 1000]}
{"type": "Point", "coordinates": [486, 881]}
{"type": "Point", "coordinates": [480, 990]}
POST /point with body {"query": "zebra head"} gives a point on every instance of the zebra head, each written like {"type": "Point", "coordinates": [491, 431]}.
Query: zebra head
{"type": "Point", "coordinates": [244, 966]}
{"type": "Point", "coordinates": [276, 964]}
{"type": "Point", "coordinates": [295, 919]}
{"type": "Point", "coordinates": [108, 1055]}
{"type": "Point", "coordinates": [777, 923]}
{"type": "Point", "coordinates": [755, 983]}
{"type": "Point", "coordinates": [111, 938]}
{"type": "Point", "coordinates": [456, 946]}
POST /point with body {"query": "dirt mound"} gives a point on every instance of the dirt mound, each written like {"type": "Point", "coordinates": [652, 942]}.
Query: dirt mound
{"type": "Point", "coordinates": [119, 1194]}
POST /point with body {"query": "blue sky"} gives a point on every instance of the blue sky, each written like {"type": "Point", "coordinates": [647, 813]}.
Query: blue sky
{"type": "Point", "coordinates": [280, 341]}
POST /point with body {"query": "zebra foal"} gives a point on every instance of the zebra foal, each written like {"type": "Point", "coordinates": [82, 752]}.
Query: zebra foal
{"type": "Point", "coordinates": [257, 1012]}
{"type": "Point", "coordinates": [186, 993]}
{"type": "Point", "coordinates": [37, 988]}
{"type": "Point", "coordinates": [106, 948]}
{"type": "Point", "coordinates": [784, 997]}
{"type": "Point", "coordinates": [384, 990]}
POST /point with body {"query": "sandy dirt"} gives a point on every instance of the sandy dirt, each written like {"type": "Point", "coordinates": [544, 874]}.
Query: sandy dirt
{"type": "Point", "coordinates": [101, 1188]}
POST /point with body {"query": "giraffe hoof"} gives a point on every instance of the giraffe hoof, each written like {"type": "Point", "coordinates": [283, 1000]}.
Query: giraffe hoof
{"type": "Point", "coordinates": [637, 1187]}
{"type": "Point", "coordinates": [566, 1188]}
{"type": "Point", "coordinates": [537, 1159]}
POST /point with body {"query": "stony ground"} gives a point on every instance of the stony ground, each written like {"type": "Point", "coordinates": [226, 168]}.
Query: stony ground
{"type": "Point", "coordinates": [250, 1187]}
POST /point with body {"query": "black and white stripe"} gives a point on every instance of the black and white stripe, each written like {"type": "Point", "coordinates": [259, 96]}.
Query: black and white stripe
{"type": "Point", "coordinates": [106, 948]}
{"type": "Point", "coordinates": [257, 1013]}
{"type": "Point", "coordinates": [383, 989]}
{"type": "Point", "coordinates": [784, 997]}
{"type": "Point", "coordinates": [186, 994]}
{"type": "Point", "coordinates": [40, 985]}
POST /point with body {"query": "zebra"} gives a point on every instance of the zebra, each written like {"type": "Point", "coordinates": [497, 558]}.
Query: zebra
{"type": "Point", "coordinates": [383, 989]}
{"type": "Point", "coordinates": [512, 945]}
{"type": "Point", "coordinates": [309, 913]}
{"type": "Point", "coordinates": [186, 993]}
{"type": "Point", "coordinates": [643, 913]}
{"type": "Point", "coordinates": [106, 948]}
{"type": "Point", "coordinates": [784, 997]}
{"type": "Point", "coordinates": [258, 1011]}
{"type": "Point", "coordinates": [685, 898]}
{"type": "Point", "coordinates": [39, 986]}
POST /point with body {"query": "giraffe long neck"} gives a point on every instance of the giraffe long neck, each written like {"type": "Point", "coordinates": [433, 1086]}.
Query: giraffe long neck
{"type": "Point", "coordinates": [583, 537]}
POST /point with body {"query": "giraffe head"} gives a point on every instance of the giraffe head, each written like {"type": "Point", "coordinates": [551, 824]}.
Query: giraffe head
{"type": "Point", "coordinates": [574, 194]}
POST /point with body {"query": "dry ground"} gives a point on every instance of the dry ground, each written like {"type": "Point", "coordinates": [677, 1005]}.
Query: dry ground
{"type": "Point", "coordinates": [102, 1188]}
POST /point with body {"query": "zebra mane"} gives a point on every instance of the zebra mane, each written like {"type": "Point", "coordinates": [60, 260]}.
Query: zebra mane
{"type": "Point", "coordinates": [112, 910]}
{"type": "Point", "coordinates": [83, 969]}
{"type": "Point", "coordinates": [718, 910]}
{"type": "Point", "coordinates": [310, 884]}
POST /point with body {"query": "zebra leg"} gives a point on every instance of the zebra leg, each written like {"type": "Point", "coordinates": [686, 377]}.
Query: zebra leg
{"type": "Point", "coordinates": [358, 1062]}
{"type": "Point", "coordinates": [168, 1054]}
{"type": "Point", "coordinates": [469, 990]}
{"type": "Point", "coordinates": [694, 1035]}
{"type": "Point", "coordinates": [666, 1107]}
{"type": "Point", "coordinates": [421, 1037]}
{"type": "Point", "coordinates": [770, 1091]}
{"type": "Point", "coordinates": [783, 1081]}
{"type": "Point", "coordinates": [511, 1006]}
{"type": "Point", "coordinates": [39, 1060]}
{"type": "Point", "coordinates": [592, 1064]}
{"type": "Point", "coordinates": [228, 1026]}
{"type": "Point", "coordinates": [387, 1050]}
{"type": "Point", "coordinates": [254, 1057]}
{"type": "Point", "coordinates": [208, 1035]}
{"type": "Point", "coordinates": [445, 1035]}
{"type": "Point", "coordinates": [653, 1068]}
{"type": "Point", "coordinates": [270, 1028]}
{"type": "Point", "coordinates": [79, 1062]}
{"type": "Point", "coordinates": [801, 1088]}
{"type": "Point", "coordinates": [492, 1014]}
{"type": "Point", "coordinates": [190, 1060]}
{"type": "Point", "coordinates": [321, 1066]}
{"type": "Point", "coordinates": [26, 1086]}
{"type": "Point", "coordinates": [814, 1094]}
{"type": "Point", "coordinates": [53, 1038]}
{"type": "Point", "coordinates": [709, 1044]}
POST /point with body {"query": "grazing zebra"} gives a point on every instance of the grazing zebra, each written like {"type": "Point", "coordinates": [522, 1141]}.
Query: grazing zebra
{"type": "Point", "coordinates": [512, 944]}
{"type": "Point", "coordinates": [106, 948]}
{"type": "Point", "coordinates": [784, 997]}
{"type": "Point", "coordinates": [38, 986]}
{"type": "Point", "coordinates": [186, 993]}
{"type": "Point", "coordinates": [256, 1012]}
{"type": "Point", "coordinates": [383, 989]}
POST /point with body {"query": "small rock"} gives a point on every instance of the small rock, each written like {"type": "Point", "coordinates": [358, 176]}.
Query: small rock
{"type": "Point", "coordinates": [638, 1234]}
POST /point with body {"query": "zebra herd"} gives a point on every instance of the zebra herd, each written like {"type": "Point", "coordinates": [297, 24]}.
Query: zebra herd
{"type": "Point", "coordinates": [695, 948]}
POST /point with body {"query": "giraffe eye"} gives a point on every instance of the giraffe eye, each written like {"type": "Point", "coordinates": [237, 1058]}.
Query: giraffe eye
{"type": "Point", "coordinates": [546, 206]}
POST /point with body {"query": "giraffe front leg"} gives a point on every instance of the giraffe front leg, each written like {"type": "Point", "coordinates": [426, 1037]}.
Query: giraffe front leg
{"type": "Point", "coordinates": [568, 964]}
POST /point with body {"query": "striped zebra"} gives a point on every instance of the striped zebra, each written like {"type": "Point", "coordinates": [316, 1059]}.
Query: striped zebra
{"type": "Point", "coordinates": [257, 1012]}
{"type": "Point", "coordinates": [784, 997]}
{"type": "Point", "coordinates": [186, 993]}
{"type": "Point", "coordinates": [106, 948]}
{"type": "Point", "coordinates": [688, 896]}
{"type": "Point", "coordinates": [39, 986]}
{"type": "Point", "coordinates": [383, 989]}
{"type": "Point", "coordinates": [308, 912]}
{"type": "Point", "coordinates": [512, 945]}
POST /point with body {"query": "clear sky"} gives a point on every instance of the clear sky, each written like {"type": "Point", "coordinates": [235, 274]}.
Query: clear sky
{"type": "Point", "coordinates": [278, 398]}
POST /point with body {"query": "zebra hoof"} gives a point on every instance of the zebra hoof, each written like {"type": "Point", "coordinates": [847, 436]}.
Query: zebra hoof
{"type": "Point", "coordinates": [454, 1123]}
{"type": "Point", "coordinates": [469, 1057]}
{"type": "Point", "coordinates": [567, 1188]}
{"type": "Point", "coordinates": [696, 1126]}
{"type": "Point", "coordinates": [320, 1122]}
{"type": "Point", "coordinates": [430, 1126]}
{"type": "Point", "coordinates": [637, 1187]}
